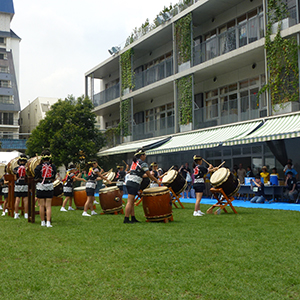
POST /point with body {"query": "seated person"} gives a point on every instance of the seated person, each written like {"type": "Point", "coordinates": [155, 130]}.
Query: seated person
{"type": "Point", "coordinates": [291, 169]}
{"type": "Point", "coordinates": [258, 188]}
{"type": "Point", "coordinates": [291, 187]}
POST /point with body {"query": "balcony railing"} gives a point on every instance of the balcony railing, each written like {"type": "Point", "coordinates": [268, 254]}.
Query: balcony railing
{"type": "Point", "coordinates": [154, 73]}
{"type": "Point", "coordinates": [107, 95]}
{"type": "Point", "coordinates": [232, 39]}
{"type": "Point", "coordinates": [229, 112]}
{"type": "Point", "coordinates": [153, 128]}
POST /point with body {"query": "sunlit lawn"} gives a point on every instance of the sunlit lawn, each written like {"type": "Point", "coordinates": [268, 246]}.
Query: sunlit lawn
{"type": "Point", "coordinates": [251, 255]}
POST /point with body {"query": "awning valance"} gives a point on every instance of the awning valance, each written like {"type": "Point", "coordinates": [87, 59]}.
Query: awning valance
{"type": "Point", "coordinates": [133, 146]}
{"type": "Point", "coordinates": [208, 138]}
{"type": "Point", "coordinates": [276, 128]}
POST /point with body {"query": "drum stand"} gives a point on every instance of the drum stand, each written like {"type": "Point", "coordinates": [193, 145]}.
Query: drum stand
{"type": "Point", "coordinates": [175, 198]}
{"type": "Point", "coordinates": [223, 201]}
{"type": "Point", "coordinates": [138, 199]}
{"type": "Point", "coordinates": [11, 194]}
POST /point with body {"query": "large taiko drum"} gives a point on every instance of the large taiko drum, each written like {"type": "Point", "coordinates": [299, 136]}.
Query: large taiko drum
{"type": "Point", "coordinates": [31, 164]}
{"type": "Point", "coordinates": [80, 197]}
{"type": "Point", "coordinates": [224, 179]}
{"type": "Point", "coordinates": [57, 188]}
{"type": "Point", "coordinates": [145, 183]}
{"type": "Point", "coordinates": [174, 180]}
{"type": "Point", "coordinates": [157, 203]}
{"type": "Point", "coordinates": [111, 177]}
{"type": "Point", "coordinates": [110, 199]}
{"type": "Point", "coordinates": [11, 165]}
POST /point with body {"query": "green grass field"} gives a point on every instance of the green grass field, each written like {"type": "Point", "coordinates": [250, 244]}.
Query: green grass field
{"type": "Point", "coordinates": [251, 255]}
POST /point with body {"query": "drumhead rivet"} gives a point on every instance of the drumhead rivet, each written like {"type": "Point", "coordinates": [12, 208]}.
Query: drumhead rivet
{"type": "Point", "coordinates": [117, 199]}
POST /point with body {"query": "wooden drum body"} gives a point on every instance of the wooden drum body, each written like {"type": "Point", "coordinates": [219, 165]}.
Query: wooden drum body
{"type": "Point", "coordinates": [58, 188]}
{"type": "Point", "coordinates": [174, 180]}
{"type": "Point", "coordinates": [110, 199]}
{"type": "Point", "coordinates": [145, 183]}
{"type": "Point", "coordinates": [157, 203]}
{"type": "Point", "coordinates": [80, 197]}
{"type": "Point", "coordinates": [31, 164]}
{"type": "Point", "coordinates": [224, 179]}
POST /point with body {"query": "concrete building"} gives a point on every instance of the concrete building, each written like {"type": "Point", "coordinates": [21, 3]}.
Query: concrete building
{"type": "Point", "coordinates": [146, 87]}
{"type": "Point", "coordinates": [9, 79]}
{"type": "Point", "coordinates": [33, 113]}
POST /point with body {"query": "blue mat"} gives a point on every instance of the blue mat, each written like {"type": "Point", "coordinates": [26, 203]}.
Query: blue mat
{"type": "Point", "coordinates": [241, 203]}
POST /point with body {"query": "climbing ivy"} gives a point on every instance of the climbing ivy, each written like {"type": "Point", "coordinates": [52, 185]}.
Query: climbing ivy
{"type": "Point", "coordinates": [124, 124]}
{"type": "Point", "coordinates": [183, 39]}
{"type": "Point", "coordinates": [126, 70]}
{"type": "Point", "coordinates": [282, 58]}
{"type": "Point", "coordinates": [185, 97]}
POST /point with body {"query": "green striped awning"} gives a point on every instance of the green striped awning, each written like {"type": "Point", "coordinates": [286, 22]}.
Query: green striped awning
{"type": "Point", "coordinates": [131, 147]}
{"type": "Point", "coordinates": [208, 138]}
{"type": "Point", "coordinates": [273, 129]}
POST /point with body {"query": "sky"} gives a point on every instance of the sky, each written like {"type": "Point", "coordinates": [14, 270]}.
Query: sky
{"type": "Point", "coordinates": [63, 39]}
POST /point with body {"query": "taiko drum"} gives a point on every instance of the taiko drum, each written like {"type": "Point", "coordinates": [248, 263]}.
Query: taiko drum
{"type": "Point", "coordinates": [110, 199]}
{"type": "Point", "coordinates": [174, 180]}
{"type": "Point", "coordinates": [157, 203]}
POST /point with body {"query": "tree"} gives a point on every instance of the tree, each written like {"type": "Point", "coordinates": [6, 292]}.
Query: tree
{"type": "Point", "coordinates": [68, 131]}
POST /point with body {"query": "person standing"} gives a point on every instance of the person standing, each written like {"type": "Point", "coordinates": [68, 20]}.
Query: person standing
{"type": "Point", "coordinates": [120, 176]}
{"type": "Point", "coordinates": [21, 187]}
{"type": "Point", "coordinates": [241, 174]}
{"type": "Point", "coordinates": [185, 171]}
{"type": "Point", "coordinates": [139, 169]}
{"type": "Point", "coordinates": [265, 174]}
{"type": "Point", "coordinates": [68, 187]}
{"type": "Point", "coordinates": [44, 175]}
{"type": "Point", "coordinates": [5, 192]}
{"type": "Point", "coordinates": [199, 185]}
{"type": "Point", "coordinates": [93, 175]}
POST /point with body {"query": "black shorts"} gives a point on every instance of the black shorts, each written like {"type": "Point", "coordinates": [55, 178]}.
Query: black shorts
{"type": "Point", "coordinates": [44, 194]}
{"type": "Point", "coordinates": [132, 190]}
{"type": "Point", "coordinates": [199, 187]}
{"type": "Point", "coordinates": [90, 192]}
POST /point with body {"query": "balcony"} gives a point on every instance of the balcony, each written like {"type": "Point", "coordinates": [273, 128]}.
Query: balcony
{"type": "Point", "coordinates": [107, 95]}
{"type": "Point", "coordinates": [153, 128]}
{"type": "Point", "coordinates": [229, 112]}
{"type": "Point", "coordinates": [233, 38]}
{"type": "Point", "coordinates": [154, 74]}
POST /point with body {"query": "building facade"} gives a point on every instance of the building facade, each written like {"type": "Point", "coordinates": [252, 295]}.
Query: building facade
{"type": "Point", "coordinates": [9, 79]}
{"type": "Point", "coordinates": [33, 113]}
{"type": "Point", "coordinates": [200, 69]}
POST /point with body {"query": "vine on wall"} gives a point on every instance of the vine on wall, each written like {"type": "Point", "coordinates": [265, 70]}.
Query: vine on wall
{"type": "Point", "coordinates": [183, 39]}
{"type": "Point", "coordinates": [185, 97]}
{"type": "Point", "coordinates": [125, 127]}
{"type": "Point", "coordinates": [282, 58]}
{"type": "Point", "coordinates": [126, 70]}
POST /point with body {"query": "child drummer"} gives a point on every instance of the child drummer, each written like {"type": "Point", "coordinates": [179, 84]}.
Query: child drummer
{"type": "Point", "coordinates": [120, 176]}
{"type": "Point", "coordinates": [68, 187]}
{"type": "Point", "coordinates": [199, 184]}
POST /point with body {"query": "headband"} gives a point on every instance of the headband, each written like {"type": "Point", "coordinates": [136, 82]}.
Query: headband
{"type": "Point", "coordinates": [140, 152]}
{"type": "Point", "coordinates": [92, 162]}
{"type": "Point", "coordinates": [154, 164]}
{"type": "Point", "coordinates": [196, 157]}
{"type": "Point", "coordinates": [46, 156]}
{"type": "Point", "coordinates": [120, 167]}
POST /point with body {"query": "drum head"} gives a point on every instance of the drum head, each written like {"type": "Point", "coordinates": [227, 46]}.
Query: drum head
{"type": "Point", "coordinates": [31, 164]}
{"type": "Point", "coordinates": [156, 190]}
{"type": "Point", "coordinates": [108, 189]}
{"type": "Point", "coordinates": [171, 175]}
{"type": "Point", "coordinates": [79, 188]}
{"type": "Point", "coordinates": [2, 169]}
{"type": "Point", "coordinates": [219, 176]}
{"type": "Point", "coordinates": [11, 165]}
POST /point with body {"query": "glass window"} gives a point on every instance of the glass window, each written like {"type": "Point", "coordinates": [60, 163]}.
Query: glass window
{"type": "Point", "coordinates": [254, 81]}
{"type": "Point", "coordinates": [244, 84]}
{"type": "Point", "coordinates": [232, 87]}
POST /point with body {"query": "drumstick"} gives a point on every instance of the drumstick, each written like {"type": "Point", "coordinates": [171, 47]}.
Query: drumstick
{"type": "Point", "coordinates": [221, 164]}
{"type": "Point", "coordinates": [205, 161]}
{"type": "Point", "coordinates": [124, 162]}
{"type": "Point", "coordinates": [170, 169]}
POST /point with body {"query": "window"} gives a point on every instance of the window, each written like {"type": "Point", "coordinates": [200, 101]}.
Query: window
{"type": "Point", "coordinates": [2, 41]}
{"type": "Point", "coordinates": [3, 56]}
{"type": "Point", "coordinates": [6, 99]}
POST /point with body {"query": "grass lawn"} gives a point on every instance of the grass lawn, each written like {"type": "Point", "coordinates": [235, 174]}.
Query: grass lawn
{"type": "Point", "coordinates": [251, 255]}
